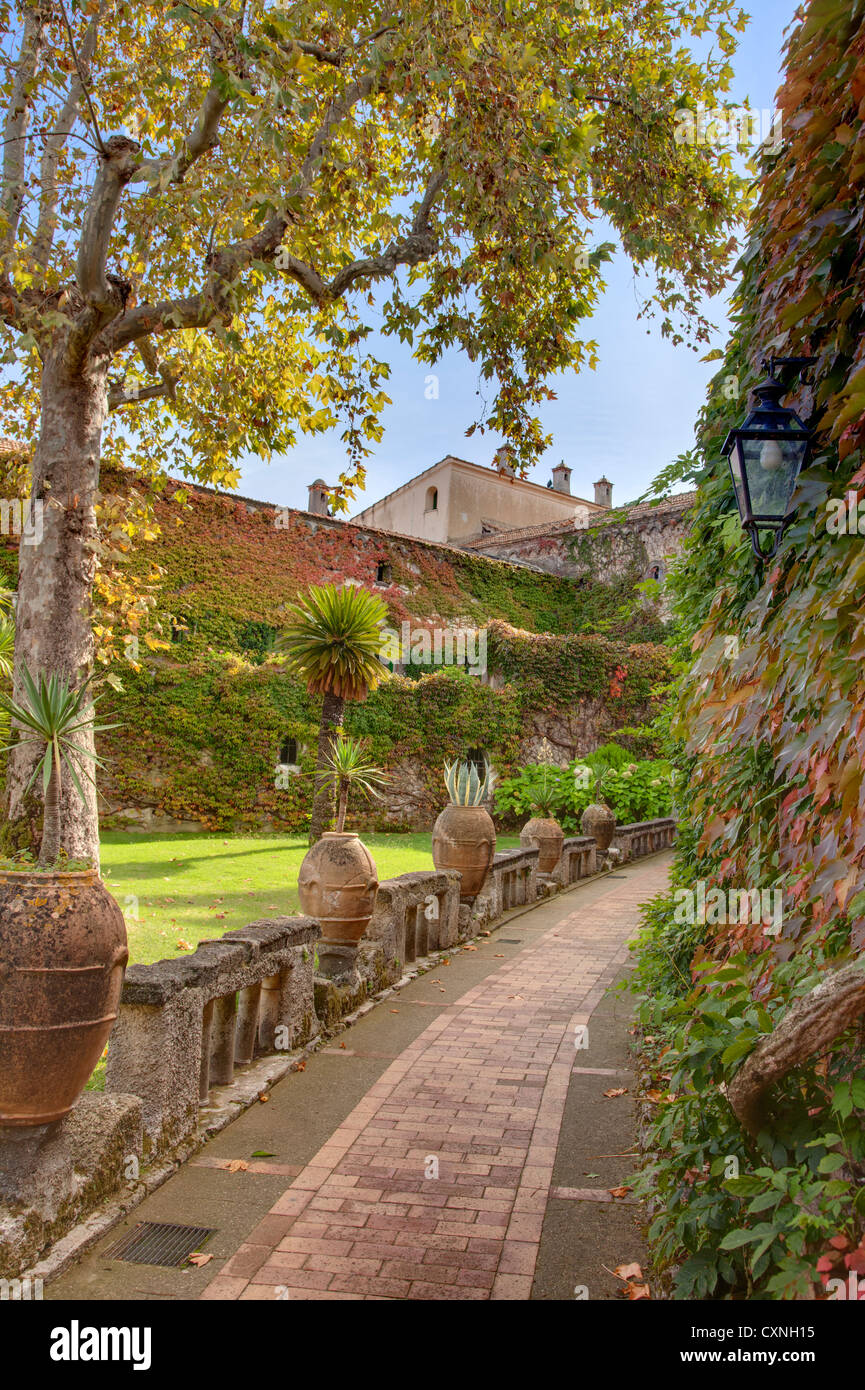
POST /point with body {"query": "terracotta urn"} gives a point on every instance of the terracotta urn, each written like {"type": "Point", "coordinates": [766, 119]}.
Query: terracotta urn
{"type": "Point", "coordinates": [599, 822]}
{"type": "Point", "coordinates": [63, 952]}
{"type": "Point", "coordinates": [464, 838]}
{"type": "Point", "coordinates": [337, 884]}
{"type": "Point", "coordinates": [545, 834]}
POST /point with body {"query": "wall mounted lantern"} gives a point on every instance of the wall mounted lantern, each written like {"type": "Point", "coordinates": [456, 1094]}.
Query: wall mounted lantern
{"type": "Point", "coordinates": [766, 455]}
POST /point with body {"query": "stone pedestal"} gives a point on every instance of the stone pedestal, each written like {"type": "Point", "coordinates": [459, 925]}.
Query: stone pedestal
{"type": "Point", "coordinates": [338, 961]}
{"type": "Point", "coordinates": [52, 1176]}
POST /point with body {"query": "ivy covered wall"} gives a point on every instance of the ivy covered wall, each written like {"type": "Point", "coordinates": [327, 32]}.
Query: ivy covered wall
{"type": "Point", "coordinates": [201, 739]}
{"type": "Point", "coordinates": [771, 724]}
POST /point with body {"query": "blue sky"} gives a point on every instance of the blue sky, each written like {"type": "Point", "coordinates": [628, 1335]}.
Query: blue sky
{"type": "Point", "coordinates": [628, 419]}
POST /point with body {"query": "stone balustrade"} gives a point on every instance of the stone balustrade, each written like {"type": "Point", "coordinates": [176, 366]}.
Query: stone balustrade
{"type": "Point", "coordinates": [415, 914]}
{"type": "Point", "coordinates": [184, 1025]}
{"type": "Point", "coordinates": [644, 837]}
{"type": "Point", "coordinates": [578, 860]}
{"type": "Point", "coordinates": [199, 1037]}
{"type": "Point", "coordinates": [511, 882]}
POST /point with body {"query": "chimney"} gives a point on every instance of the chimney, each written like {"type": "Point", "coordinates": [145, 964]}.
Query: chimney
{"type": "Point", "coordinates": [604, 492]}
{"type": "Point", "coordinates": [504, 461]}
{"type": "Point", "coordinates": [319, 492]}
{"type": "Point", "coordinates": [562, 478]}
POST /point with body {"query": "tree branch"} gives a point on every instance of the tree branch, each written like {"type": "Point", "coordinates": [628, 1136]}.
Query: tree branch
{"type": "Point", "coordinates": [117, 397]}
{"type": "Point", "coordinates": [83, 80]}
{"type": "Point", "coordinates": [412, 249]}
{"type": "Point", "coordinates": [807, 1030]}
{"type": "Point", "coordinates": [201, 139]}
{"type": "Point", "coordinates": [227, 262]}
{"type": "Point", "coordinates": [17, 117]}
{"type": "Point", "coordinates": [113, 176]}
{"type": "Point", "coordinates": [44, 238]}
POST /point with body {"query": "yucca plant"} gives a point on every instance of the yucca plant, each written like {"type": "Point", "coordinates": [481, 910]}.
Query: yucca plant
{"type": "Point", "coordinates": [51, 714]}
{"type": "Point", "coordinates": [333, 643]}
{"type": "Point", "coordinates": [465, 786]}
{"type": "Point", "coordinates": [347, 770]}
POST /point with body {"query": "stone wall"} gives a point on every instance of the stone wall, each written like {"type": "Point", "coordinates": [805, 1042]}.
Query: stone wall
{"type": "Point", "coordinates": [639, 540]}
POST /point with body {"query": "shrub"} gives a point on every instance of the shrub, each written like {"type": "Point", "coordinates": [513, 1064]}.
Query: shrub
{"type": "Point", "coordinates": [634, 791]}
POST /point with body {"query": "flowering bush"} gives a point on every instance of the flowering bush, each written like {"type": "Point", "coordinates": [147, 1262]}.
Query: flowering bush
{"type": "Point", "coordinates": [634, 791]}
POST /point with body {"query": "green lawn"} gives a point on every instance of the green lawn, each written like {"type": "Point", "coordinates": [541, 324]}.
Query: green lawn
{"type": "Point", "coordinates": [175, 890]}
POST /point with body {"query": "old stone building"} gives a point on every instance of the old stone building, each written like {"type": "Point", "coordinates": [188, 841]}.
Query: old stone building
{"type": "Point", "coordinates": [455, 501]}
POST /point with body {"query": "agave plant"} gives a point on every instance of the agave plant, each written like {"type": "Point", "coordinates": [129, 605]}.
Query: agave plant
{"type": "Point", "coordinates": [348, 769]}
{"type": "Point", "coordinates": [52, 715]}
{"type": "Point", "coordinates": [333, 643]}
{"type": "Point", "coordinates": [545, 796]}
{"type": "Point", "coordinates": [465, 786]}
{"type": "Point", "coordinates": [7, 647]}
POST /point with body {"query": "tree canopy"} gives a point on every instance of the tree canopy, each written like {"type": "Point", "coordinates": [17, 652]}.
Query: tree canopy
{"type": "Point", "coordinates": [209, 193]}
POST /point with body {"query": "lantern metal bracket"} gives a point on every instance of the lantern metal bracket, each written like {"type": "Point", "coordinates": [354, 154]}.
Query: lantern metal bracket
{"type": "Point", "coordinates": [797, 366]}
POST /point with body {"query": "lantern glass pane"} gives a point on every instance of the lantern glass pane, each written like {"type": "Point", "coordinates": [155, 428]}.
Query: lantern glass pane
{"type": "Point", "coordinates": [736, 470]}
{"type": "Point", "coordinates": [772, 467]}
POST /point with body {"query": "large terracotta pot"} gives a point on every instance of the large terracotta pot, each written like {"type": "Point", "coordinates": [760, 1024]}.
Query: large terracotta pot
{"type": "Point", "coordinates": [337, 885]}
{"type": "Point", "coordinates": [62, 956]}
{"type": "Point", "coordinates": [464, 838]}
{"type": "Point", "coordinates": [545, 834]}
{"type": "Point", "coordinates": [599, 822]}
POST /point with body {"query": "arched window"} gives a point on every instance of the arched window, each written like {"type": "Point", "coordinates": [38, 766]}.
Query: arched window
{"type": "Point", "coordinates": [432, 499]}
{"type": "Point", "coordinates": [656, 572]}
{"type": "Point", "coordinates": [288, 751]}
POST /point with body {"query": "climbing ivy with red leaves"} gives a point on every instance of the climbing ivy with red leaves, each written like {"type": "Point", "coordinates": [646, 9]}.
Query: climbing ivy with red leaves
{"type": "Point", "coordinates": [771, 729]}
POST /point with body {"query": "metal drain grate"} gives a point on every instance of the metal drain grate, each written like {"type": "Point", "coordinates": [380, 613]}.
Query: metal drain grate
{"type": "Point", "coordinates": [159, 1243]}
{"type": "Point", "coordinates": [510, 940]}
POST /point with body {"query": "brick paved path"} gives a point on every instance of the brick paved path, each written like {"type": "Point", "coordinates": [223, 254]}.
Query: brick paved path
{"type": "Point", "coordinates": [480, 1096]}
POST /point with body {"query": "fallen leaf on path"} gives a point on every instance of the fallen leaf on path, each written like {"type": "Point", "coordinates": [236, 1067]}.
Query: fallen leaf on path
{"type": "Point", "coordinates": [264, 1097]}
{"type": "Point", "coordinates": [263, 1153]}
{"type": "Point", "coordinates": [393, 1011]}
{"type": "Point", "coordinates": [638, 1291]}
{"type": "Point", "coordinates": [617, 1091]}
{"type": "Point", "coordinates": [470, 948]}
{"type": "Point", "coordinates": [618, 1191]}
{"type": "Point", "coordinates": [238, 1165]}
{"type": "Point", "coordinates": [199, 1259]}
{"type": "Point", "coordinates": [342, 1045]}
{"type": "Point", "coordinates": [184, 946]}
{"type": "Point", "coordinates": [626, 1272]}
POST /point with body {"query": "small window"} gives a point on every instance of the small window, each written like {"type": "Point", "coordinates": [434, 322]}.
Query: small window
{"type": "Point", "coordinates": [432, 499]}
{"type": "Point", "coordinates": [656, 572]}
{"type": "Point", "coordinates": [288, 751]}
{"type": "Point", "coordinates": [383, 573]}
{"type": "Point", "coordinates": [478, 758]}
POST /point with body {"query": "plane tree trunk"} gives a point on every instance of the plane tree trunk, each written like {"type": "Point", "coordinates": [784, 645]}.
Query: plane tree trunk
{"type": "Point", "coordinates": [57, 561]}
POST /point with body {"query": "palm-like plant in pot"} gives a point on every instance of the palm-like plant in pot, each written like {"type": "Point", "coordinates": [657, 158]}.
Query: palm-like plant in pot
{"type": "Point", "coordinates": [333, 643]}
{"type": "Point", "coordinates": [543, 831]}
{"type": "Point", "coordinates": [464, 836]}
{"type": "Point", "coordinates": [63, 943]}
{"type": "Point", "coordinates": [338, 879]}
